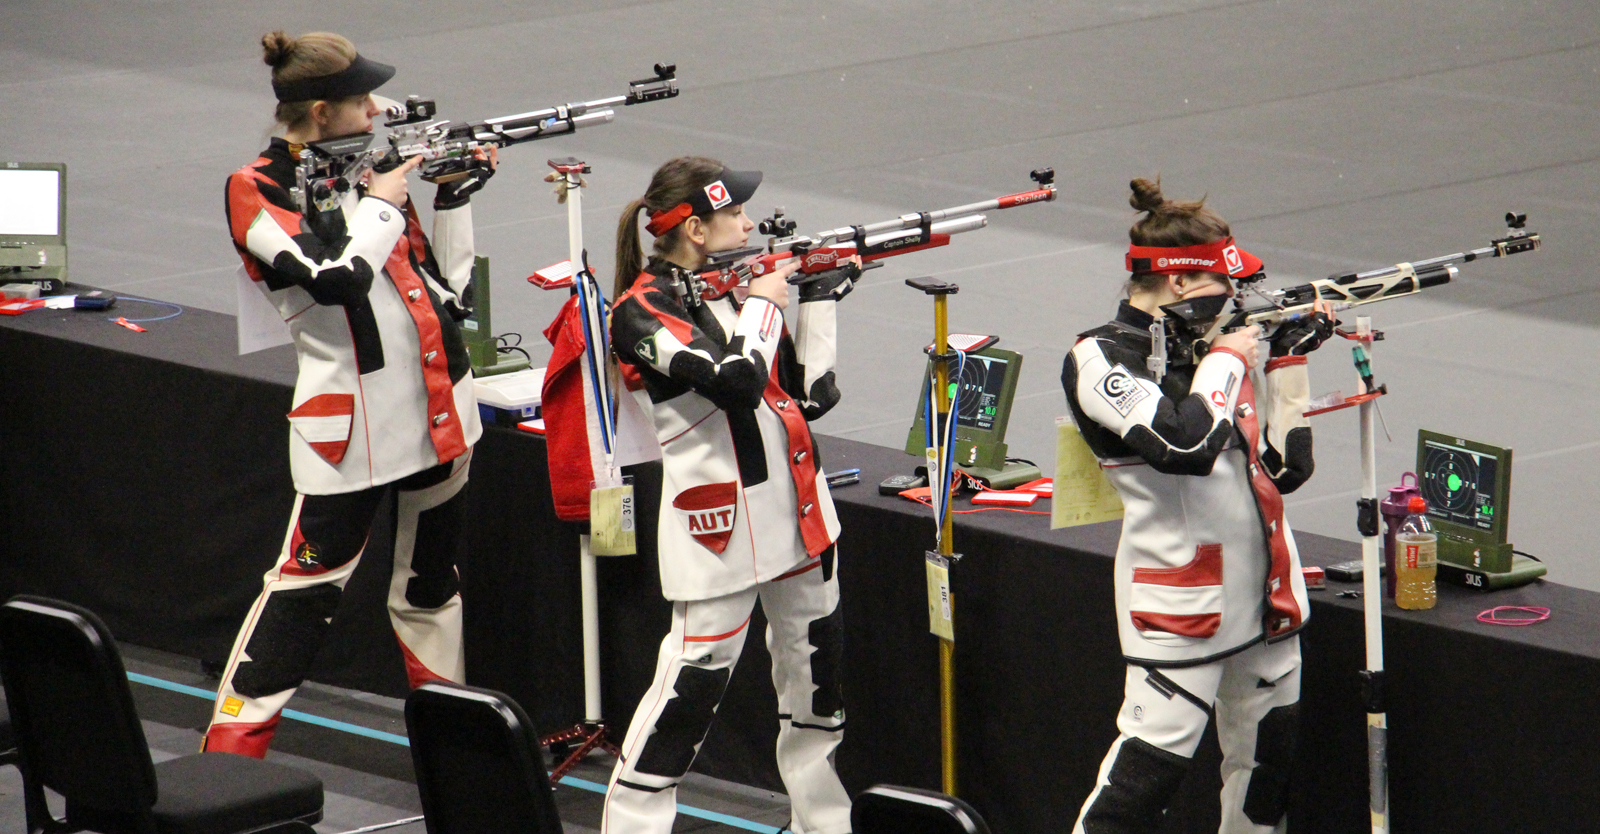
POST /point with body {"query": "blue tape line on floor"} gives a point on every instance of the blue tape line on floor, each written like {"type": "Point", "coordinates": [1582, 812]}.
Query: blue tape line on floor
{"type": "Point", "coordinates": [582, 784]}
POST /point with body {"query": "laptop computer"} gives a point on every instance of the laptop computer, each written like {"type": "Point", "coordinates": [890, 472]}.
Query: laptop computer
{"type": "Point", "coordinates": [33, 224]}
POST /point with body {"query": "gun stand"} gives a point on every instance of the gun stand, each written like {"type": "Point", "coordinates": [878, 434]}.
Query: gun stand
{"type": "Point", "coordinates": [1372, 678]}
{"type": "Point", "coordinates": [482, 347]}
{"type": "Point", "coordinates": [946, 555]}
{"type": "Point", "coordinates": [590, 734]}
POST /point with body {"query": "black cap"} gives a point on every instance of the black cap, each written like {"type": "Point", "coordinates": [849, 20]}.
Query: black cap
{"type": "Point", "coordinates": [358, 79]}
{"type": "Point", "coordinates": [730, 188]}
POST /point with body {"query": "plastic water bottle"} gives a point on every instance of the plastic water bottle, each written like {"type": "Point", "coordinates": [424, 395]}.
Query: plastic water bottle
{"type": "Point", "coordinates": [1416, 560]}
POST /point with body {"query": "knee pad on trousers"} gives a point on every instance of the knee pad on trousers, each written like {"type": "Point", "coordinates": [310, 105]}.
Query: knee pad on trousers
{"type": "Point", "coordinates": [439, 545]}
{"type": "Point", "coordinates": [1267, 799]}
{"type": "Point", "coordinates": [291, 628]}
{"type": "Point", "coordinates": [684, 722]}
{"type": "Point", "coordinates": [1139, 788]}
{"type": "Point", "coordinates": [827, 655]}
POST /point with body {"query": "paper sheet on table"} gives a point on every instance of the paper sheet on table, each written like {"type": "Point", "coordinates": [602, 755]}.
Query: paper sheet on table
{"type": "Point", "coordinates": [1082, 495]}
{"type": "Point", "coordinates": [260, 324]}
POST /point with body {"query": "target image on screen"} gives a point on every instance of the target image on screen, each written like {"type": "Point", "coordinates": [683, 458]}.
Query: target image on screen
{"type": "Point", "coordinates": [1466, 485]}
{"type": "Point", "coordinates": [1451, 481]}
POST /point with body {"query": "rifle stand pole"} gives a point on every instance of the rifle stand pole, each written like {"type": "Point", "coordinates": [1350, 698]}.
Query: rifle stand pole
{"type": "Point", "coordinates": [1372, 678]}
{"type": "Point", "coordinates": [940, 290]}
{"type": "Point", "coordinates": [590, 734]}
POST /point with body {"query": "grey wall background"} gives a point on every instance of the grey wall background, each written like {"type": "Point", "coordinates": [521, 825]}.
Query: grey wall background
{"type": "Point", "coordinates": [1332, 135]}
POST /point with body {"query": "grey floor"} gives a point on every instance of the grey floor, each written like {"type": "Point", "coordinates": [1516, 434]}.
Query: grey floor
{"type": "Point", "coordinates": [369, 782]}
{"type": "Point", "coordinates": [1332, 135]}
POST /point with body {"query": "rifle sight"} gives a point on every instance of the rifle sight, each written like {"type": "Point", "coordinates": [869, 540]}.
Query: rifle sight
{"type": "Point", "coordinates": [777, 225]}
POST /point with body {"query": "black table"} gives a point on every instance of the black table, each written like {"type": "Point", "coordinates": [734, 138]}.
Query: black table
{"type": "Point", "coordinates": [144, 476]}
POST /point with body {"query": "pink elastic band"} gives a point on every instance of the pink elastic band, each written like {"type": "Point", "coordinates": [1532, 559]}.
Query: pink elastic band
{"type": "Point", "coordinates": [1492, 616]}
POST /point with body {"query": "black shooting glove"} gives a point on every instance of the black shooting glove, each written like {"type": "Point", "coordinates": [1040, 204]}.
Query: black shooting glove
{"type": "Point", "coordinates": [457, 193]}
{"type": "Point", "coordinates": [1301, 337]}
{"type": "Point", "coordinates": [831, 285]}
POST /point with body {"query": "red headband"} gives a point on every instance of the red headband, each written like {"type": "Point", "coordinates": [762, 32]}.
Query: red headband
{"type": "Point", "coordinates": [1223, 257]}
{"type": "Point", "coordinates": [662, 222]}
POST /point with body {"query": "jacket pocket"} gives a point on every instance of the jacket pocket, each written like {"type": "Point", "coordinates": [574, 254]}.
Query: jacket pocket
{"type": "Point", "coordinates": [1184, 601]}
{"type": "Point", "coordinates": [323, 422]}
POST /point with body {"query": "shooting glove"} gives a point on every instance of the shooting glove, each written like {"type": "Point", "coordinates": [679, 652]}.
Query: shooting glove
{"type": "Point", "coordinates": [1301, 337]}
{"type": "Point", "coordinates": [457, 193]}
{"type": "Point", "coordinates": [560, 181]}
{"type": "Point", "coordinates": [831, 285]}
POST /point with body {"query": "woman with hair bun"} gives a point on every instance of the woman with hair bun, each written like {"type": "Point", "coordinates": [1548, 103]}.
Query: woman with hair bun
{"type": "Point", "coordinates": [1209, 595]}
{"type": "Point", "coordinates": [745, 509]}
{"type": "Point", "coordinates": [383, 408]}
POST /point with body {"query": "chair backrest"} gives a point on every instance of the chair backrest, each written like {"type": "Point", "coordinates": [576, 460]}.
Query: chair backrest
{"type": "Point", "coordinates": [71, 710]}
{"type": "Point", "coordinates": [479, 769]}
{"type": "Point", "coordinates": [886, 809]}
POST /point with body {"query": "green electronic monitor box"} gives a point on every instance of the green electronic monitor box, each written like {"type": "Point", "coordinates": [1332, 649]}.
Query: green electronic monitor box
{"type": "Point", "coordinates": [1467, 485]}
{"type": "Point", "coordinates": [987, 384]}
{"type": "Point", "coordinates": [33, 222]}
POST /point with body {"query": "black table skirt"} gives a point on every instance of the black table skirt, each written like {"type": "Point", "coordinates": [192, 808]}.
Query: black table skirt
{"type": "Point", "coordinates": [145, 476]}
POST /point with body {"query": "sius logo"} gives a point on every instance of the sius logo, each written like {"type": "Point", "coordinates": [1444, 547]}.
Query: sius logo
{"type": "Point", "coordinates": [1121, 390]}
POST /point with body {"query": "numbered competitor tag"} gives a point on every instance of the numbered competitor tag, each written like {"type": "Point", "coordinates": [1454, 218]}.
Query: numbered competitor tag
{"type": "Point", "coordinates": [941, 614]}
{"type": "Point", "coordinates": [611, 520]}
{"type": "Point", "coordinates": [1082, 494]}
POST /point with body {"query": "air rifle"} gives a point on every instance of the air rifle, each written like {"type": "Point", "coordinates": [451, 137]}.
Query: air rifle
{"type": "Point", "coordinates": [329, 168]}
{"type": "Point", "coordinates": [1181, 335]}
{"type": "Point", "coordinates": [824, 253]}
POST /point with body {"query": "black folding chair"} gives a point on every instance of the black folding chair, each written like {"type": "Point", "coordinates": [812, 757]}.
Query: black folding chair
{"type": "Point", "coordinates": [78, 735]}
{"type": "Point", "coordinates": [479, 767]}
{"type": "Point", "coordinates": [886, 809]}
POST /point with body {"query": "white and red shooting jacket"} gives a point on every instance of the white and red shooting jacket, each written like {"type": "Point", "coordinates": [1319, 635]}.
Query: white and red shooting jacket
{"type": "Point", "coordinates": [730, 395]}
{"type": "Point", "coordinates": [385, 384]}
{"type": "Point", "coordinates": [1207, 565]}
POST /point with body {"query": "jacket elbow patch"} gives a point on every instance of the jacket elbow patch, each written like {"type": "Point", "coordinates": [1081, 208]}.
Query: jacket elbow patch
{"type": "Point", "coordinates": [1293, 467]}
{"type": "Point", "coordinates": [822, 397]}
{"type": "Point", "coordinates": [1170, 460]}
{"type": "Point", "coordinates": [344, 284]}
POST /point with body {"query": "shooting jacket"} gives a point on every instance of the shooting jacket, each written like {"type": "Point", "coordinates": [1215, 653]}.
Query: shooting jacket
{"type": "Point", "coordinates": [385, 384]}
{"type": "Point", "coordinates": [730, 394]}
{"type": "Point", "coordinates": [1207, 565]}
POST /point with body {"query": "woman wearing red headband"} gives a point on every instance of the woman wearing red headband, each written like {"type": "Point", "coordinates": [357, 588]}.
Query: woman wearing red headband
{"type": "Point", "coordinates": [384, 395]}
{"type": "Point", "coordinates": [745, 509]}
{"type": "Point", "coordinates": [1209, 594]}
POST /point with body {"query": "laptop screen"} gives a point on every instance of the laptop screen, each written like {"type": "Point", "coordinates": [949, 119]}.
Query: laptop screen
{"type": "Point", "coordinates": [30, 202]}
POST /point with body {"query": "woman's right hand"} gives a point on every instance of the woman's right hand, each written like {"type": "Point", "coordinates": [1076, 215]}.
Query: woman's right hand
{"type": "Point", "coordinates": [1243, 342]}
{"type": "Point", "coordinates": [774, 286]}
{"type": "Point", "coordinates": [391, 185]}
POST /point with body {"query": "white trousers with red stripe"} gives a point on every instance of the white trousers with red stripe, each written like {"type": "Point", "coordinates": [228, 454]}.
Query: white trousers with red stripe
{"type": "Point", "coordinates": [300, 595]}
{"type": "Point", "coordinates": [1242, 690]}
{"type": "Point", "coordinates": [696, 658]}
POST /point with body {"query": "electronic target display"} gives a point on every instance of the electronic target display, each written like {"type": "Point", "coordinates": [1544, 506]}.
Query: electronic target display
{"type": "Point", "coordinates": [980, 386]}
{"type": "Point", "coordinates": [1466, 485]}
{"type": "Point", "coordinates": [986, 384]}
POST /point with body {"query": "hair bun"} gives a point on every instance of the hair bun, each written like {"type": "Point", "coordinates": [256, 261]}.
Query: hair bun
{"type": "Point", "coordinates": [276, 47]}
{"type": "Point", "coordinates": [1147, 195]}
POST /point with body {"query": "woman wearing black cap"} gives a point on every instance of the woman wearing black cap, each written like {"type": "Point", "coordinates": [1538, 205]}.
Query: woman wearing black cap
{"type": "Point", "coordinates": [745, 509]}
{"type": "Point", "coordinates": [384, 395]}
{"type": "Point", "coordinates": [1209, 595]}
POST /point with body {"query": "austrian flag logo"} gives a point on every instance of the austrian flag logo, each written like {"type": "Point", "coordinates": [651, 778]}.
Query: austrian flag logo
{"type": "Point", "coordinates": [708, 512]}
{"type": "Point", "coordinates": [717, 193]}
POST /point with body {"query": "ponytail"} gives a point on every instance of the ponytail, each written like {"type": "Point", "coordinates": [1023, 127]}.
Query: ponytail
{"type": "Point", "coordinates": [672, 184]}
{"type": "Point", "coordinates": [630, 256]}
